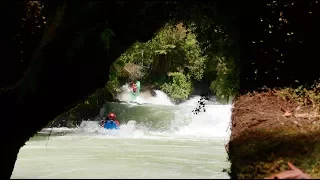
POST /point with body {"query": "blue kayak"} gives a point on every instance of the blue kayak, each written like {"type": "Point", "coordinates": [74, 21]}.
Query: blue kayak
{"type": "Point", "coordinates": [111, 125]}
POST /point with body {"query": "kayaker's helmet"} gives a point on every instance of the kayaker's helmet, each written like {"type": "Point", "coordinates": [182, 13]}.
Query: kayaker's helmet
{"type": "Point", "coordinates": [112, 116]}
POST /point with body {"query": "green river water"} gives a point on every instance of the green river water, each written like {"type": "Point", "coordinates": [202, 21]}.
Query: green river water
{"type": "Point", "coordinates": [158, 140]}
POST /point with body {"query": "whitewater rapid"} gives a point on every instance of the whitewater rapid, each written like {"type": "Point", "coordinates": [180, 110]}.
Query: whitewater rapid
{"type": "Point", "coordinates": [157, 139]}
{"type": "Point", "coordinates": [182, 123]}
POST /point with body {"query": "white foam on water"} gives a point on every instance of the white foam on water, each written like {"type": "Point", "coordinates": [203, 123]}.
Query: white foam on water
{"type": "Point", "coordinates": [190, 147]}
{"type": "Point", "coordinates": [214, 122]}
{"type": "Point", "coordinates": [160, 98]}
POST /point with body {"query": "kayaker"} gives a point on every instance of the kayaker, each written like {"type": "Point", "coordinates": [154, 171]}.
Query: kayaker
{"type": "Point", "coordinates": [134, 87]}
{"type": "Point", "coordinates": [111, 117]}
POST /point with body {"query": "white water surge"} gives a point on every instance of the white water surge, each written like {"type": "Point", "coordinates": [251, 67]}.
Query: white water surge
{"type": "Point", "coordinates": [156, 140]}
{"type": "Point", "coordinates": [144, 97]}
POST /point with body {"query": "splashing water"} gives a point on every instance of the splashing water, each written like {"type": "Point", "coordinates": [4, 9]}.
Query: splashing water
{"type": "Point", "coordinates": [173, 121]}
{"type": "Point", "coordinates": [154, 137]}
{"type": "Point", "coordinates": [144, 97]}
{"type": "Point", "coordinates": [160, 117]}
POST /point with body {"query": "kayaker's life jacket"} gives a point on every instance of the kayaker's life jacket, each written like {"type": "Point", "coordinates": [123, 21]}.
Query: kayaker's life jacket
{"type": "Point", "coordinates": [134, 88]}
{"type": "Point", "coordinates": [111, 124]}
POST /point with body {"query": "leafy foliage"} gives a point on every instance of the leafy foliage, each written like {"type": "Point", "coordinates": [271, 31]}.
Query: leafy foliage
{"type": "Point", "coordinates": [113, 84]}
{"type": "Point", "coordinates": [179, 87]}
{"type": "Point", "coordinates": [304, 95]}
{"type": "Point", "coordinates": [227, 83]}
{"type": "Point", "coordinates": [174, 50]}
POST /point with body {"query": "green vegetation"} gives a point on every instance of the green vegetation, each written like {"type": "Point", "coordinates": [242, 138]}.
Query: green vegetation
{"type": "Point", "coordinates": [227, 83]}
{"type": "Point", "coordinates": [171, 61]}
{"type": "Point", "coordinates": [276, 38]}
{"type": "Point", "coordinates": [179, 87]}
{"type": "Point", "coordinates": [308, 96]}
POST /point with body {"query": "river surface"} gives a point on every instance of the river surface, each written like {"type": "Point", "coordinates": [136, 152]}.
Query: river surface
{"type": "Point", "coordinates": [155, 140]}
